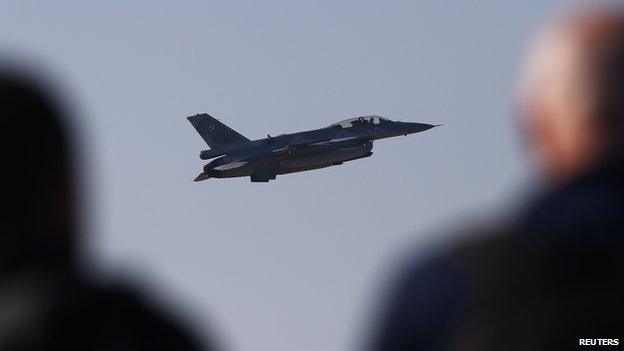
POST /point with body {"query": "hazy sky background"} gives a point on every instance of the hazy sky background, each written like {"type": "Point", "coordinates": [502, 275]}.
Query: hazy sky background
{"type": "Point", "coordinates": [295, 264]}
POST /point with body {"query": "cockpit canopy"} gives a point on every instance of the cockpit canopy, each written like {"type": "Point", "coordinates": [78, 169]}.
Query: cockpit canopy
{"type": "Point", "coordinates": [362, 120]}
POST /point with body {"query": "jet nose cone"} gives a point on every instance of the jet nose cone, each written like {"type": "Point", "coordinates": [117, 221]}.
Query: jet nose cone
{"type": "Point", "coordinates": [418, 127]}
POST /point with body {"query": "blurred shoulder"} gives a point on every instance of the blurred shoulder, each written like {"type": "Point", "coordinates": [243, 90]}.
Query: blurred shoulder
{"type": "Point", "coordinates": [117, 315]}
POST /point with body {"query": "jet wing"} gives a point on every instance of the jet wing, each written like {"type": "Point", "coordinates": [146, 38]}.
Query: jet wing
{"type": "Point", "coordinates": [302, 147]}
{"type": "Point", "coordinates": [324, 144]}
{"type": "Point", "coordinates": [348, 141]}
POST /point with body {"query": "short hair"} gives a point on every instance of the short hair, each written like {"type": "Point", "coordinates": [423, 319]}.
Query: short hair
{"type": "Point", "coordinates": [600, 31]}
{"type": "Point", "coordinates": [37, 178]}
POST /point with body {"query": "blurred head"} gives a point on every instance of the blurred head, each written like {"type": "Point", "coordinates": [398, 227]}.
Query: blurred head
{"type": "Point", "coordinates": [572, 92]}
{"type": "Point", "coordinates": [36, 182]}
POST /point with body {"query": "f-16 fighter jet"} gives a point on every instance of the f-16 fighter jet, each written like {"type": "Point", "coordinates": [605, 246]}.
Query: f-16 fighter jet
{"type": "Point", "coordinates": [263, 159]}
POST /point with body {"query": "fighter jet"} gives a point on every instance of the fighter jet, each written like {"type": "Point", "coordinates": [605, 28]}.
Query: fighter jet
{"type": "Point", "coordinates": [263, 159]}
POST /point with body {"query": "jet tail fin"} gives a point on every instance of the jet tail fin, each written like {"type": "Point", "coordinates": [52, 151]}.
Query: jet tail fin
{"type": "Point", "coordinates": [215, 133]}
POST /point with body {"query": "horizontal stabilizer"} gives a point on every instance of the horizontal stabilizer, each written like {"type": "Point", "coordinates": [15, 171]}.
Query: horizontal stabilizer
{"type": "Point", "coordinates": [201, 176]}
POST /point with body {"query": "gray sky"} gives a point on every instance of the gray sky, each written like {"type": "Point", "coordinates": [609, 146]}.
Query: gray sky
{"type": "Point", "coordinates": [295, 264]}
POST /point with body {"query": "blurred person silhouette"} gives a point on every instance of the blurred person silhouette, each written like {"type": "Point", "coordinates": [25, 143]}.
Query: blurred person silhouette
{"type": "Point", "coordinates": [550, 278]}
{"type": "Point", "coordinates": [48, 300]}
